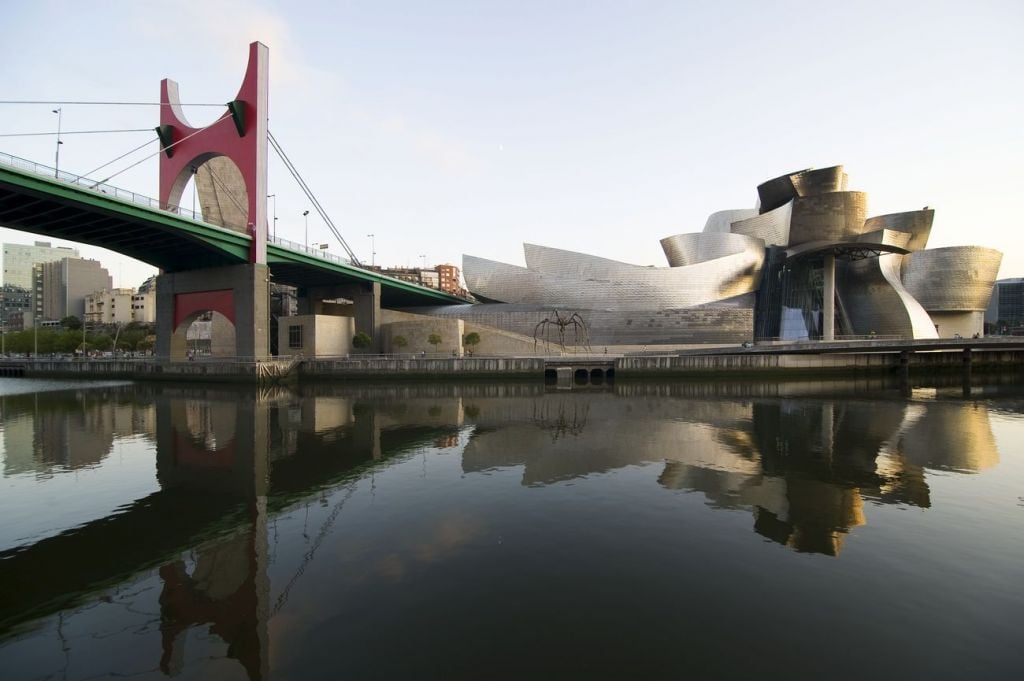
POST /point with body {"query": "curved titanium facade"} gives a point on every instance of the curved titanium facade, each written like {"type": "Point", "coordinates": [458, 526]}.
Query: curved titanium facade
{"type": "Point", "coordinates": [885, 283]}
{"type": "Point", "coordinates": [918, 223]}
{"type": "Point", "coordinates": [887, 237]}
{"type": "Point", "coordinates": [772, 227]}
{"type": "Point", "coordinates": [634, 326]}
{"type": "Point", "coordinates": [682, 250]}
{"type": "Point", "coordinates": [957, 278]}
{"type": "Point", "coordinates": [597, 283]}
{"type": "Point", "coordinates": [828, 217]}
{"type": "Point", "coordinates": [777, 191]}
{"type": "Point", "coordinates": [810, 182]}
{"type": "Point", "coordinates": [821, 181]}
{"type": "Point", "coordinates": [720, 221]}
{"type": "Point", "coordinates": [562, 263]}
{"type": "Point", "coordinates": [876, 302]}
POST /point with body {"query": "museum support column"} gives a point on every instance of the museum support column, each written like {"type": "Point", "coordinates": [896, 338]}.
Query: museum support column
{"type": "Point", "coordinates": [828, 321]}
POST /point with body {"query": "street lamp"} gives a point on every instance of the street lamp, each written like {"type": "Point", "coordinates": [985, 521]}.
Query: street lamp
{"type": "Point", "coordinates": [423, 259]}
{"type": "Point", "coordinates": [305, 215]}
{"type": "Point", "coordinates": [373, 250]}
{"type": "Point", "coordinates": [273, 230]}
{"type": "Point", "coordinates": [56, 170]}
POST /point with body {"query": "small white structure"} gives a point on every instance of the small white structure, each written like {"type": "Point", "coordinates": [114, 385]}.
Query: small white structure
{"type": "Point", "coordinates": [315, 335]}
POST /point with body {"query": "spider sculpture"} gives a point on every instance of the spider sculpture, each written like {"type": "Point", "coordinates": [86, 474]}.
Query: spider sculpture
{"type": "Point", "coordinates": [573, 321]}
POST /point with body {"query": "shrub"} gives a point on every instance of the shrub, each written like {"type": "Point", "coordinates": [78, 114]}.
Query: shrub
{"type": "Point", "coordinates": [361, 341]}
{"type": "Point", "coordinates": [471, 339]}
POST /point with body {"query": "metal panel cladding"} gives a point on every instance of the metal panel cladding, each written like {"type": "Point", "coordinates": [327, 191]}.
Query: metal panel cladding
{"type": "Point", "coordinates": [956, 278]}
{"type": "Point", "coordinates": [916, 222]}
{"type": "Point", "coordinates": [877, 302]}
{"type": "Point", "coordinates": [836, 216]}
{"type": "Point", "coordinates": [771, 227]}
{"type": "Point", "coordinates": [689, 249]}
{"type": "Point", "coordinates": [719, 221]}
{"type": "Point", "coordinates": [577, 280]}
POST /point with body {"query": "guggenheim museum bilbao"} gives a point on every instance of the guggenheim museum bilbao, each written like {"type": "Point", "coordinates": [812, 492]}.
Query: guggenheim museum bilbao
{"type": "Point", "coordinates": [806, 263]}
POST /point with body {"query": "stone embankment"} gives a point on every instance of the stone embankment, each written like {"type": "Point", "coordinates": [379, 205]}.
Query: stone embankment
{"type": "Point", "coordinates": [451, 367]}
{"type": "Point", "coordinates": [782, 365]}
{"type": "Point", "coordinates": [741, 363]}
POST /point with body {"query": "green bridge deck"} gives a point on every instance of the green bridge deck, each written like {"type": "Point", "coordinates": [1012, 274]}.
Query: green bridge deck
{"type": "Point", "coordinates": [34, 199]}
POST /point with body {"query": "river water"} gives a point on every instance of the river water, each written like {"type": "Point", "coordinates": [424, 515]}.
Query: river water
{"type": "Point", "coordinates": [633, 531]}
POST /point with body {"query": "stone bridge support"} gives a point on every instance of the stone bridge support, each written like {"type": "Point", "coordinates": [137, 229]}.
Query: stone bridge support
{"type": "Point", "coordinates": [365, 299]}
{"type": "Point", "coordinates": [241, 293]}
{"type": "Point", "coordinates": [218, 447]}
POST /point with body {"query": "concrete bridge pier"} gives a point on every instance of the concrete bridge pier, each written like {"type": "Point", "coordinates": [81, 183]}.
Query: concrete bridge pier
{"type": "Point", "coordinates": [365, 306]}
{"type": "Point", "coordinates": [218, 448]}
{"type": "Point", "coordinates": [241, 293]}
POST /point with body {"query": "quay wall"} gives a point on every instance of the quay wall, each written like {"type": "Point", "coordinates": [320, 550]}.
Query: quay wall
{"type": "Point", "coordinates": [452, 367]}
{"type": "Point", "coordinates": [142, 370]}
{"type": "Point", "coordinates": [721, 366]}
{"type": "Point", "coordinates": [784, 365]}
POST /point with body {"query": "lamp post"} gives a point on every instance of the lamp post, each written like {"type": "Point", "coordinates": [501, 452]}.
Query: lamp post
{"type": "Point", "coordinates": [373, 250]}
{"type": "Point", "coordinates": [56, 170]}
{"type": "Point", "coordinates": [273, 225]}
{"type": "Point", "coordinates": [423, 259]}
{"type": "Point", "coordinates": [305, 216]}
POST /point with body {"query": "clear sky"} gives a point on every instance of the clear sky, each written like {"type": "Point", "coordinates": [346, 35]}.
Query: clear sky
{"type": "Point", "coordinates": [470, 127]}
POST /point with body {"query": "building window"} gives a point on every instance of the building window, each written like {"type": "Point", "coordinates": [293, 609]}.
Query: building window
{"type": "Point", "coordinates": [295, 336]}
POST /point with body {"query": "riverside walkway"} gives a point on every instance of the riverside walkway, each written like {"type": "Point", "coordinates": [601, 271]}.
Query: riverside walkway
{"type": "Point", "coordinates": [776, 361]}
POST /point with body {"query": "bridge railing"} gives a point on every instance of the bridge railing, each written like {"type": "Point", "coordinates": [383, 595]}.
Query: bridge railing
{"type": "Point", "coordinates": [96, 186]}
{"type": "Point", "coordinates": [148, 202]}
{"type": "Point", "coordinates": [838, 338]}
{"type": "Point", "coordinates": [316, 252]}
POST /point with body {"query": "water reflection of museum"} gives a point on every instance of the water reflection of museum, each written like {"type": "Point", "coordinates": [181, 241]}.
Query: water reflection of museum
{"type": "Point", "coordinates": [805, 467]}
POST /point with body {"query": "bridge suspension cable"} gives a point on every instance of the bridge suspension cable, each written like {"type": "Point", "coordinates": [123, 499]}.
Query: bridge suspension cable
{"type": "Point", "coordinates": [85, 103]}
{"type": "Point", "coordinates": [71, 132]}
{"type": "Point", "coordinates": [310, 555]}
{"type": "Point", "coordinates": [162, 150]}
{"type": "Point", "coordinates": [225, 189]}
{"type": "Point", "coordinates": [309, 195]}
{"type": "Point", "coordinates": [127, 153]}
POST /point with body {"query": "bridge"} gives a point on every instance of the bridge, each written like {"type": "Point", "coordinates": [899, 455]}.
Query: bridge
{"type": "Point", "coordinates": [204, 267]}
{"type": "Point", "coordinates": [36, 198]}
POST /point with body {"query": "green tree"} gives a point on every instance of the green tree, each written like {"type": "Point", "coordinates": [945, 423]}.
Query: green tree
{"type": "Point", "coordinates": [399, 342]}
{"type": "Point", "coordinates": [71, 322]}
{"type": "Point", "coordinates": [54, 341]}
{"type": "Point", "coordinates": [361, 341]}
{"type": "Point", "coordinates": [471, 340]}
{"type": "Point", "coordinates": [129, 339]}
{"type": "Point", "coordinates": [434, 339]}
{"type": "Point", "coordinates": [19, 342]}
{"type": "Point", "coordinates": [101, 341]}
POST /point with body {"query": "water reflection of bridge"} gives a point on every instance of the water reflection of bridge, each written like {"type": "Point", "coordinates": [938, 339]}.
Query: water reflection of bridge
{"type": "Point", "coordinates": [224, 460]}
{"type": "Point", "coordinates": [803, 465]}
